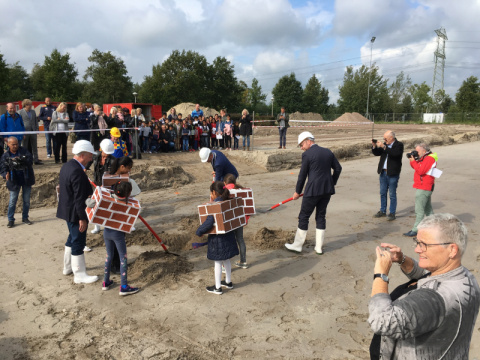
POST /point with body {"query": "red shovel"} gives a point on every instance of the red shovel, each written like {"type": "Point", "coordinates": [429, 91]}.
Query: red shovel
{"type": "Point", "coordinates": [283, 202]}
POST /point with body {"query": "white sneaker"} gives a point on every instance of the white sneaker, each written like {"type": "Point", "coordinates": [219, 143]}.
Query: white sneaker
{"type": "Point", "coordinates": [86, 249]}
{"type": "Point", "coordinates": [96, 229]}
{"type": "Point", "coordinates": [49, 156]}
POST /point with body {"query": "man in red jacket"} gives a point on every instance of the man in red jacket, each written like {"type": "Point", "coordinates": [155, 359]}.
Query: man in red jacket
{"type": "Point", "coordinates": [423, 161]}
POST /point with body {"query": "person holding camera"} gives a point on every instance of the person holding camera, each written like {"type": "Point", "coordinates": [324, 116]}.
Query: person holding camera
{"type": "Point", "coordinates": [423, 162]}
{"type": "Point", "coordinates": [16, 167]}
{"type": "Point", "coordinates": [389, 168]}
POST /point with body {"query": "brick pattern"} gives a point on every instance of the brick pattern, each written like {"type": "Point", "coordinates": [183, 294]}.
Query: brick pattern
{"type": "Point", "coordinates": [112, 213]}
{"type": "Point", "coordinates": [247, 195]}
{"type": "Point", "coordinates": [229, 215]}
{"type": "Point", "coordinates": [109, 180]}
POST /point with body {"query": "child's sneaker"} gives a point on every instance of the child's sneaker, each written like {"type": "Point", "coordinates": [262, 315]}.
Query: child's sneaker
{"type": "Point", "coordinates": [106, 285]}
{"type": "Point", "coordinates": [212, 289]}
{"type": "Point", "coordinates": [227, 285]}
{"type": "Point", "coordinates": [127, 290]}
{"type": "Point", "coordinates": [242, 265]}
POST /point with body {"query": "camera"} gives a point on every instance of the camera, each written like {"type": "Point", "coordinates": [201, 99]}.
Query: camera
{"type": "Point", "coordinates": [413, 154]}
{"type": "Point", "coordinates": [18, 163]}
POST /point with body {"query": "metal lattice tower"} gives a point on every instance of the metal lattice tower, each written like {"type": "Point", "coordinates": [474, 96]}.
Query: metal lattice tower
{"type": "Point", "coordinates": [439, 56]}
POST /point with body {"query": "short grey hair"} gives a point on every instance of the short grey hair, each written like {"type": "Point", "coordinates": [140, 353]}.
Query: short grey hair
{"type": "Point", "coordinates": [424, 146]}
{"type": "Point", "coordinates": [451, 229]}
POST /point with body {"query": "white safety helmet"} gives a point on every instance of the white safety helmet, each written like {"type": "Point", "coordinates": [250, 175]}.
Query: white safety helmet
{"type": "Point", "coordinates": [305, 135]}
{"type": "Point", "coordinates": [204, 154]}
{"type": "Point", "coordinates": [82, 146]}
{"type": "Point", "coordinates": [107, 146]}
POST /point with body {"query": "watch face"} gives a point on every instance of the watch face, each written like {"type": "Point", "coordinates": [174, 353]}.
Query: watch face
{"type": "Point", "coordinates": [384, 277]}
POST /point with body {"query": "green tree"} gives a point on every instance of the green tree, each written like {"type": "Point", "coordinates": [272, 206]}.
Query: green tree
{"type": "Point", "coordinates": [288, 93]}
{"type": "Point", "coordinates": [467, 97]}
{"type": "Point", "coordinates": [108, 79]}
{"type": "Point", "coordinates": [56, 78]}
{"type": "Point", "coordinates": [354, 91]}
{"type": "Point", "coordinates": [223, 88]}
{"type": "Point", "coordinates": [255, 95]}
{"type": "Point", "coordinates": [19, 85]}
{"type": "Point", "coordinates": [398, 90]}
{"type": "Point", "coordinates": [420, 97]}
{"type": "Point", "coordinates": [441, 101]}
{"type": "Point", "coordinates": [3, 80]}
{"type": "Point", "coordinates": [315, 97]}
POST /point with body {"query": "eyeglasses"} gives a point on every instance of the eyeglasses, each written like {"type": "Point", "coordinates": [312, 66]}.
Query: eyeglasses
{"type": "Point", "coordinates": [424, 246]}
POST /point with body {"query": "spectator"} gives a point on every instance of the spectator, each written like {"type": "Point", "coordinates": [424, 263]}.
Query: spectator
{"type": "Point", "coordinates": [154, 143]}
{"type": "Point", "coordinates": [118, 144]}
{"type": "Point", "coordinates": [146, 132]}
{"type": "Point", "coordinates": [205, 134]}
{"type": "Point", "coordinates": [46, 112]}
{"type": "Point", "coordinates": [81, 119]}
{"type": "Point", "coordinates": [59, 126]}
{"type": "Point", "coordinates": [178, 132]}
{"type": "Point", "coordinates": [185, 137]}
{"type": "Point", "coordinates": [228, 133]}
{"type": "Point", "coordinates": [113, 120]}
{"type": "Point", "coordinates": [197, 112]}
{"type": "Point", "coordinates": [98, 123]}
{"type": "Point", "coordinates": [236, 135]}
{"type": "Point", "coordinates": [213, 134]}
{"type": "Point", "coordinates": [172, 133]}
{"type": "Point", "coordinates": [16, 168]}
{"type": "Point", "coordinates": [12, 122]}
{"type": "Point", "coordinates": [246, 128]}
{"type": "Point", "coordinates": [221, 129]}
{"type": "Point", "coordinates": [282, 120]}
{"type": "Point", "coordinates": [30, 122]}
{"type": "Point", "coordinates": [173, 115]}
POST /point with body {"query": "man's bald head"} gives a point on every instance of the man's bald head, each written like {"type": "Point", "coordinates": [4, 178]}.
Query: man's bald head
{"type": "Point", "coordinates": [389, 137]}
{"type": "Point", "coordinates": [12, 144]}
{"type": "Point", "coordinates": [11, 108]}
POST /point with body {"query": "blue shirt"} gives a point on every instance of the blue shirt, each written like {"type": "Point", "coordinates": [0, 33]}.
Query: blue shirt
{"type": "Point", "coordinates": [11, 124]}
{"type": "Point", "coordinates": [197, 113]}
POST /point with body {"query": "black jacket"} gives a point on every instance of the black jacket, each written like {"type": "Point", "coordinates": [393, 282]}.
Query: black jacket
{"type": "Point", "coordinates": [246, 126]}
{"type": "Point", "coordinates": [317, 164]}
{"type": "Point", "coordinates": [17, 177]}
{"type": "Point", "coordinates": [74, 190]}
{"type": "Point", "coordinates": [394, 163]}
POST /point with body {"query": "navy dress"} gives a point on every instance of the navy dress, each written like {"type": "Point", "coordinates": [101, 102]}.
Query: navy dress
{"type": "Point", "coordinates": [220, 246]}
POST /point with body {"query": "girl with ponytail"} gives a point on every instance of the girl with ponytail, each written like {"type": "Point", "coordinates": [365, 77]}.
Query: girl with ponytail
{"type": "Point", "coordinates": [221, 247]}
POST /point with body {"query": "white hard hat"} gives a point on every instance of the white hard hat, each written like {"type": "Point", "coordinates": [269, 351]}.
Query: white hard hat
{"type": "Point", "coordinates": [305, 135]}
{"type": "Point", "coordinates": [82, 146]}
{"type": "Point", "coordinates": [204, 154]}
{"type": "Point", "coordinates": [107, 146]}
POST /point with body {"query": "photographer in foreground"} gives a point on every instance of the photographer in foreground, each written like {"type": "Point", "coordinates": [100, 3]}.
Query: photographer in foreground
{"type": "Point", "coordinates": [423, 161]}
{"type": "Point", "coordinates": [16, 168]}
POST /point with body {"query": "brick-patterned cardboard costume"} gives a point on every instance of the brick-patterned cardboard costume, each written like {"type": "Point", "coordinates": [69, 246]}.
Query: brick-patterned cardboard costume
{"type": "Point", "coordinates": [247, 196]}
{"type": "Point", "coordinates": [109, 180]}
{"type": "Point", "coordinates": [229, 215]}
{"type": "Point", "coordinates": [112, 213]}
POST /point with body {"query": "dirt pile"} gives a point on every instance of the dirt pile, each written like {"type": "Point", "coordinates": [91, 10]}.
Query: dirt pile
{"type": "Point", "coordinates": [269, 239]}
{"type": "Point", "coordinates": [152, 177]}
{"type": "Point", "coordinates": [351, 118]}
{"type": "Point", "coordinates": [152, 267]}
{"type": "Point", "coordinates": [305, 116]}
{"type": "Point", "coordinates": [187, 108]}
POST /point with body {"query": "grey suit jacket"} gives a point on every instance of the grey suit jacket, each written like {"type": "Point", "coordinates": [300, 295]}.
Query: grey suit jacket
{"type": "Point", "coordinates": [30, 124]}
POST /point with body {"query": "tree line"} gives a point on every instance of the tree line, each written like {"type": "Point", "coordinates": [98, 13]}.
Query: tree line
{"type": "Point", "coordinates": [186, 76]}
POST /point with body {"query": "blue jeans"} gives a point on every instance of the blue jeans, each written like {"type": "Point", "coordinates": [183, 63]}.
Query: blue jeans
{"type": "Point", "coordinates": [388, 184]}
{"type": "Point", "coordinates": [248, 140]}
{"type": "Point", "coordinates": [12, 203]}
{"type": "Point", "coordinates": [76, 239]}
{"type": "Point", "coordinates": [50, 139]}
{"type": "Point", "coordinates": [146, 144]}
{"type": "Point", "coordinates": [283, 136]}
{"type": "Point", "coordinates": [185, 144]}
{"type": "Point", "coordinates": [114, 238]}
{"type": "Point", "coordinates": [235, 143]}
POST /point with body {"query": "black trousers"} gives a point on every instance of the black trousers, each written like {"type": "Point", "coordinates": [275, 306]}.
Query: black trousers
{"type": "Point", "coordinates": [310, 203]}
{"type": "Point", "coordinates": [60, 142]}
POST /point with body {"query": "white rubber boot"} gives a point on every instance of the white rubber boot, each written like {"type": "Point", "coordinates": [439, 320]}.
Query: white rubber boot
{"type": "Point", "coordinates": [96, 229]}
{"type": "Point", "coordinates": [79, 271]}
{"type": "Point", "coordinates": [298, 242]}
{"type": "Point", "coordinates": [67, 261]}
{"type": "Point", "coordinates": [320, 237]}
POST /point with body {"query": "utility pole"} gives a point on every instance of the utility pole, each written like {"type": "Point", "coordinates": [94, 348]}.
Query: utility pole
{"type": "Point", "coordinates": [370, 73]}
{"type": "Point", "coordinates": [439, 56]}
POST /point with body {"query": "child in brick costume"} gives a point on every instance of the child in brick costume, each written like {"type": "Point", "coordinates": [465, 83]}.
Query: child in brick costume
{"type": "Point", "coordinates": [116, 239]}
{"type": "Point", "coordinates": [221, 247]}
{"type": "Point", "coordinates": [230, 183]}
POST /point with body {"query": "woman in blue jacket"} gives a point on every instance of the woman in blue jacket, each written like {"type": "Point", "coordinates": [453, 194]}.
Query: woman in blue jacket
{"type": "Point", "coordinates": [81, 119]}
{"type": "Point", "coordinates": [221, 247]}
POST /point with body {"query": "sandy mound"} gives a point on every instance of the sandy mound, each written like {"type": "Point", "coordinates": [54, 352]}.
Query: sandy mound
{"type": "Point", "coordinates": [156, 266]}
{"type": "Point", "coordinates": [187, 108]}
{"type": "Point", "coordinates": [152, 177]}
{"type": "Point", "coordinates": [269, 239]}
{"type": "Point", "coordinates": [305, 116]}
{"type": "Point", "coordinates": [351, 118]}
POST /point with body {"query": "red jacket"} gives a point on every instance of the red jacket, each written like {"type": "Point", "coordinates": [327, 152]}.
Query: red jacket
{"type": "Point", "coordinates": [421, 180]}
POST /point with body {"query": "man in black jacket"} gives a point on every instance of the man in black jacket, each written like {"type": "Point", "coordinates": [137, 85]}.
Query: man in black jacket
{"type": "Point", "coordinates": [389, 168]}
{"type": "Point", "coordinates": [46, 112]}
{"type": "Point", "coordinates": [75, 188]}
{"type": "Point", "coordinates": [16, 167]}
{"type": "Point", "coordinates": [317, 164]}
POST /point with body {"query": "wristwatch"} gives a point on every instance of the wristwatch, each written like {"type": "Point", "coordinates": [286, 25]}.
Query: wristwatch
{"type": "Point", "coordinates": [382, 276]}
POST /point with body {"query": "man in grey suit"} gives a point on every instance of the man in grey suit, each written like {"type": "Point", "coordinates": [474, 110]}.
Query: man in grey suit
{"type": "Point", "coordinates": [30, 121]}
{"type": "Point", "coordinates": [317, 165]}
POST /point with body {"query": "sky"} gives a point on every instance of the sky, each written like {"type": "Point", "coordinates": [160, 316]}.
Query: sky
{"type": "Point", "coordinates": [263, 39]}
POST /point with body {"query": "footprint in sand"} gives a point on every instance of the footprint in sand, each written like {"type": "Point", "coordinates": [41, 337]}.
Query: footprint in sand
{"type": "Point", "coordinates": [359, 285]}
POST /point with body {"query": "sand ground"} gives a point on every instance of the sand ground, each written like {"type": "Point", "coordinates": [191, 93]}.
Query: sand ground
{"type": "Point", "coordinates": [283, 306]}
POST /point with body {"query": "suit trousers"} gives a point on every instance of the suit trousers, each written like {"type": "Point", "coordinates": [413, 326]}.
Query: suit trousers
{"type": "Point", "coordinates": [310, 203]}
{"type": "Point", "coordinates": [30, 142]}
